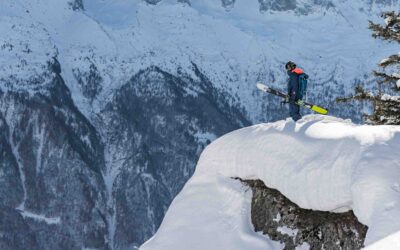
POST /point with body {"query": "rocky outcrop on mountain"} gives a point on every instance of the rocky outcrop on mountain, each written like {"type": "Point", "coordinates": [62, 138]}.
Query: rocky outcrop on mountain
{"type": "Point", "coordinates": [277, 5]}
{"type": "Point", "coordinates": [185, 2]}
{"type": "Point", "coordinates": [14, 230]}
{"type": "Point", "coordinates": [53, 160]}
{"type": "Point", "coordinates": [106, 182]}
{"type": "Point", "coordinates": [155, 128]}
{"type": "Point", "coordinates": [76, 5]}
{"type": "Point", "coordinates": [90, 82]}
{"type": "Point", "coordinates": [152, 1]}
{"type": "Point", "coordinates": [282, 220]}
{"type": "Point", "coordinates": [228, 4]}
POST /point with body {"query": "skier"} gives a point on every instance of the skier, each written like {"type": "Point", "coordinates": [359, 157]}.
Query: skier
{"type": "Point", "coordinates": [295, 94]}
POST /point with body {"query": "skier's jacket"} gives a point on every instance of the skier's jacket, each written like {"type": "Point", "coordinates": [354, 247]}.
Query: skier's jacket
{"type": "Point", "coordinates": [293, 84]}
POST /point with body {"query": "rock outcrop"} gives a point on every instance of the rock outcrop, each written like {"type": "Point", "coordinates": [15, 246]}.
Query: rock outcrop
{"type": "Point", "coordinates": [105, 181]}
{"type": "Point", "coordinates": [282, 220]}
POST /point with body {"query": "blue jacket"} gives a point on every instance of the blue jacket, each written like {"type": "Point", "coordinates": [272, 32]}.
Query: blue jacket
{"type": "Point", "coordinates": [293, 83]}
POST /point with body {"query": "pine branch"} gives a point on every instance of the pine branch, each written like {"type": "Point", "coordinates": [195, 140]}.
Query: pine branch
{"type": "Point", "coordinates": [393, 59]}
{"type": "Point", "coordinates": [360, 94]}
{"type": "Point", "coordinates": [387, 110]}
{"type": "Point", "coordinates": [391, 18]}
{"type": "Point", "coordinates": [385, 78]}
{"type": "Point", "coordinates": [390, 31]}
{"type": "Point", "coordinates": [386, 107]}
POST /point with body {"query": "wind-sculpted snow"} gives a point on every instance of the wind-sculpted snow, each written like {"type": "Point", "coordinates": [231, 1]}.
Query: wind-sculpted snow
{"type": "Point", "coordinates": [319, 163]}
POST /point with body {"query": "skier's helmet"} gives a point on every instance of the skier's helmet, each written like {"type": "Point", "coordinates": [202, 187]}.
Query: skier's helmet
{"type": "Point", "coordinates": [290, 65]}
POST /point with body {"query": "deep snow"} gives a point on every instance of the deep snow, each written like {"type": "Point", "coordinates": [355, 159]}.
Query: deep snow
{"type": "Point", "coordinates": [320, 163]}
{"type": "Point", "coordinates": [390, 242]}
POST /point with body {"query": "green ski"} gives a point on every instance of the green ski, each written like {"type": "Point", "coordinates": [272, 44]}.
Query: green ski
{"type": "Point", "coordinates": [313, 107]}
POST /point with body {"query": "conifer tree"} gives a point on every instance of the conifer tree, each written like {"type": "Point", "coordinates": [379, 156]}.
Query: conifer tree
{"type": "Point", "coordinates": [386, 101]}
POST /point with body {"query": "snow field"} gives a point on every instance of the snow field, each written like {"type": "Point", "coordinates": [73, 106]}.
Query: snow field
{"type": "Point", "coordinates": [392, 242]}
{"type": "Point", "coordinates": [320, 163]}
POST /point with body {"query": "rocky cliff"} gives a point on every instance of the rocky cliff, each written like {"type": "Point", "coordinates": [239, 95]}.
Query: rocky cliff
{"type": "Point", "coordinates": [281, 220]}
{"type": "Point", "coordinates": [69, 183]}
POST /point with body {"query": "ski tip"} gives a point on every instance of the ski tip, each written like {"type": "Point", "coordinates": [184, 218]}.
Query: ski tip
{"type": "Point", "coordinates": [260, 85]}
{"type": "Point", "coordinates": [319, 110]}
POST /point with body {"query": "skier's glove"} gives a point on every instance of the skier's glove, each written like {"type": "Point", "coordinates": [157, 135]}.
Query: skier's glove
{"type": "Point", "coordinates": [286, 99]}
{"type": "Point", "coordinates": [300, 102]}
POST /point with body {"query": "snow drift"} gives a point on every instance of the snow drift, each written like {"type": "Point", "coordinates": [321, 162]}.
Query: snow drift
{"type": "Point", "coordinates": [390, 242]}
{"type": "Point", "coordinates": [320, 163]}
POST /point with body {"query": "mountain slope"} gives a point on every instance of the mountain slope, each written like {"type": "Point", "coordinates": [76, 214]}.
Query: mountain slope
{"type": "Point", "coordinates": [233, 48]}
{"type": "Point", "coordinates": [54, 160]}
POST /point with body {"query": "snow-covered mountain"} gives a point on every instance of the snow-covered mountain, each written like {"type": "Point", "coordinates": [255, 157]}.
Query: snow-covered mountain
{"type": "Point", "coordinates": [105, 106]}
{"type": "Point", "coordinates": [234, 43]}
{"type": "Point", "coordinates": [319, 163]}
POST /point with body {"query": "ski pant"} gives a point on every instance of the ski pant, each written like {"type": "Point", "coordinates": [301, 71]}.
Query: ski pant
{"type": "Point", "coordinates": [294, 111]}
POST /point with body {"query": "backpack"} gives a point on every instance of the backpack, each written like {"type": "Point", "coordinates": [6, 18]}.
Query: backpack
{"type": "Point", "coordinates": [302, 91]}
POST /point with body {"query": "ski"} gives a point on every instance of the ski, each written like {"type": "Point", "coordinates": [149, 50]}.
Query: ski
{"type": "Point", "coordinates": [310, 106]}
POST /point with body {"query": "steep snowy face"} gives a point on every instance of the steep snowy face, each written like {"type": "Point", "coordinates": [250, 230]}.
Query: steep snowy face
{"type": "Point", "coordinates": [236, 48]}
{"type": "Point", "coordinates": [320, 163]}
{"type": "Point", "coordinates": [301, 7]}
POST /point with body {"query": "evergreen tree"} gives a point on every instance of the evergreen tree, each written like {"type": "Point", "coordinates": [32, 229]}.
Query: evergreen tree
{"type": "Point", "coordinates": [386, 103]}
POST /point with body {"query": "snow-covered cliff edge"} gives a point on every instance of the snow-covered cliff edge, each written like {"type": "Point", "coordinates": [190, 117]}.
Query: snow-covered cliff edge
{"type": "Point", "coordinates": [320, 163]}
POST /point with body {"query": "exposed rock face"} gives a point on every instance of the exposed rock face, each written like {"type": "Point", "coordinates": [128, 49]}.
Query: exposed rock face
{"type": "Point", "coordinates": [53, 159]}
{"type": "Point", "coordinates": [90, 82]}
{"type": "Point", "coordinates": [68, 182]}
{"type": "Point", "coordinates": [76, 5]}
{"type": "Point", "coordinates": [228, 4]}
{"type": "Point", "coordinates": [14, 231]}
{"type": "Point", "coordinates": [155, 128]}
{"type": "Point", "coordinates": [185, 2]}
{"type": "Point", "coordinates": [282, 220]}
{"type": "Point", "coordinates": [154, 2]}
{"type": "Point", "coordinates": [278, 5]}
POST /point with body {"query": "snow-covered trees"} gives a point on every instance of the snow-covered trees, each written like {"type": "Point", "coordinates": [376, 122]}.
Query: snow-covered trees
{"type": "Point", "coordinates": [386, 102]}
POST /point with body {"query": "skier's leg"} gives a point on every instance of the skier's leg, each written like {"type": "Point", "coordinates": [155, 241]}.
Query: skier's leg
{"type": "Point", "coordinates": [291, 110]}
{"type": "Point", "coordinates": [298, 115]}
{"type": "Point", "coordinates": [294, 111]}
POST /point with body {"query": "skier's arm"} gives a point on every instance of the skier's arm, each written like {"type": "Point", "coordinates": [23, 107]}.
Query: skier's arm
{"type": "Point", "coordinates": [292, 86]}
